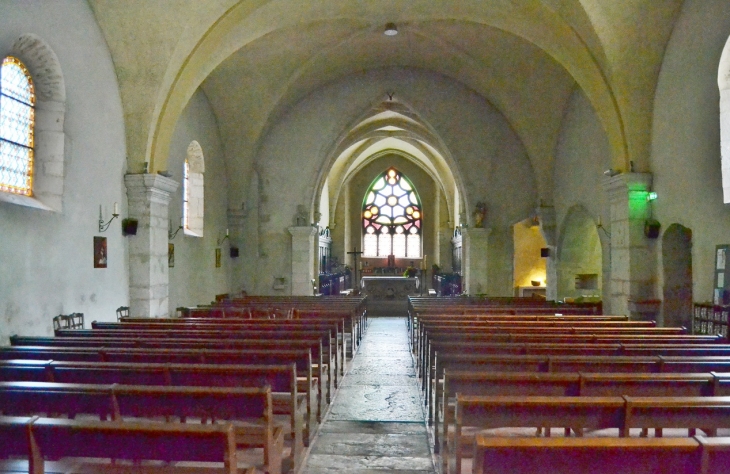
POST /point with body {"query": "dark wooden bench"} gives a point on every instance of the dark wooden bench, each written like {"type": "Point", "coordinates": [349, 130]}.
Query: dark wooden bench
{"type": "Point", "coordinates": [595, 413]}
{"type": "Point", "coordinates": [330, 354]}
{"type": "Point", "coordinates": [441, 349]}
{"type": "Point", "coordinates": [336, 324]}
{"type": "Point", "coordinates": [250, 408]}
{"type": "Point", "coordinates": [282, 379]}
{"type": "Point", "coordinates": [301, 358]}
{"type": "Point", "coordinates": [572, 385]}
{"type": "Point", "coordinates": [588, 455]}
{"type": "Point", "coordinates": [321, 370]}
{"type": "Point", "coordinates": [38, 439]}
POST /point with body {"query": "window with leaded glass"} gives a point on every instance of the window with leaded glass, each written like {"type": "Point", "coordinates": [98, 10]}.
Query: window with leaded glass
{"type": "Point", "coordinates": [392, 217]}
{"type": "Point", "coordinates": [17, 121]}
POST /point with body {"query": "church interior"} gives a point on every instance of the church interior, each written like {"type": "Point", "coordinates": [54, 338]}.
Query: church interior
{"type": "Point", "coordinates": [156, 155]}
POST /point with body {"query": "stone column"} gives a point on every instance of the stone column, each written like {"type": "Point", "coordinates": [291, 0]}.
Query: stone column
{"type": "Point", "coordinates": [148, 198]}
{"type": "Point", "coordinates": [548, 228]}
{"type": "Point", "coordinates": [474, 259]}
{"type": "Point", "coordinates": [632, 271]}
{"type": "Point", "coordinates": [302, 259]}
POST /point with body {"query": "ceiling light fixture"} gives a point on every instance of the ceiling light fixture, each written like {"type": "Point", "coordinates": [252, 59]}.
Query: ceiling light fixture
{"type": "Point", "coordinates": [390, 29]}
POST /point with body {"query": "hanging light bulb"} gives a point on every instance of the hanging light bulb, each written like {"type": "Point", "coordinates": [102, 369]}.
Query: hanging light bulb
{"type": "Point", "coordinates": [391, 29]}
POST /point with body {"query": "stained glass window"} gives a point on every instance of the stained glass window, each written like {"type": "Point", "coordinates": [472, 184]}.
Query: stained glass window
{"type": "Point", "coordinates": [17, 121]}
{"type": "Point", "coordinates": [391, 217]}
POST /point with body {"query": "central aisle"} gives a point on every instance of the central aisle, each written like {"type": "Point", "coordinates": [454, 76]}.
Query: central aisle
{"type": "Point", "coordinates": [376, 423]}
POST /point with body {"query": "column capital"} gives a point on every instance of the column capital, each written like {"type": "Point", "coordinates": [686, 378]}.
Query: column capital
{"type": "Point", "coordinates": [303, 231]}
{"type": "Point", "coordinates": [155, 187]}
{"type": "Point", "coordinates": [621, 186]}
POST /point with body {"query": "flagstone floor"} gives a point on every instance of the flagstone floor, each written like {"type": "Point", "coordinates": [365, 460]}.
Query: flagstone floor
{"type": "Point", "coordinates": [376, 421]}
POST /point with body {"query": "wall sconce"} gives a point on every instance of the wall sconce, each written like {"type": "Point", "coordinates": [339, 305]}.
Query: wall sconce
{"type": "Point", "coordinates": [651, 196]}
{"type": "Point", "coordinates": [220, 241]}
{"type": "Point", "coordinates": [170, 234]}
{"type": "Point", "coordinates": [104, 226]}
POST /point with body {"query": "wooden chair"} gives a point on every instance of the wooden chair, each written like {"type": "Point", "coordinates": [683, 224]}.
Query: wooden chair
{"type": "Point", "coordinates": [122, 312]}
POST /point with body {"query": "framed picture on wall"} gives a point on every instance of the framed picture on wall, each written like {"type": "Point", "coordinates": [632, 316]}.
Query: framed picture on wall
{"type": "Point", "coordinates": [721, 292]}
{"type": "Point", "coordinates": [100, 252]}
{"type": "Point", "coordinates": [171, 255]}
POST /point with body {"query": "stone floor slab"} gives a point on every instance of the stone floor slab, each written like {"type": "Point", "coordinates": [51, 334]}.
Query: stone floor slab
{"type": "Point", "coordinates": [379, 379]}
{"type": "Point", "coordinates": [370, 463]}
{"type": "Point", "coordinates": [362, 444]}
{"type": "Point", "coordinates": [372, 427]}
{"type": "Point", "coordinates": [377, 403]}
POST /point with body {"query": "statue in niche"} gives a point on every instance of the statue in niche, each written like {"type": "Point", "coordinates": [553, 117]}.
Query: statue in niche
{"type": "Point", "coordinates": [480, 213]}
{"type": "Point", "coordinates": [301, 216]}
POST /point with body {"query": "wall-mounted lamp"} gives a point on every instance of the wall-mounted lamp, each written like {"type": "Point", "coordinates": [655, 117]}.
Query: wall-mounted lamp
{"type": "Point", "coordinates": [170, 234]}
{"type": "Point", "coordinates": [104, 226]}
{"type": "Point", "coordinates": [220, 241]}
{"type": "Point", "coordinates": [651, 196]}
{"type": "Point", "coordinates": [611, 172]}
{"type": "Point", "coordinates": [390, 29]}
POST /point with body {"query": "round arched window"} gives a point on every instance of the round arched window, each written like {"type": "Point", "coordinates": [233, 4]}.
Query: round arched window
{"type": "Point", "coordinates": [392, 217]}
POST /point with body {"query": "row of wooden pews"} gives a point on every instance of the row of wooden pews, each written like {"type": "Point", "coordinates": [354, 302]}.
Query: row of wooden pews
{"type": "Point", "coordinates": [596, 377]}
{"type": "Point", "coordinates": [251, 387]}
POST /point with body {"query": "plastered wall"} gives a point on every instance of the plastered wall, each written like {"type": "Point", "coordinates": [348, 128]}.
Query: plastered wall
{"type": "Point", "coordinates": [195, 279]}
{"type": "Point", "coordinates": [685, 156]}
{"type": "Point", "coordinates": [46, 258]}
{"type": "Point", "coordinates": [528, 265]}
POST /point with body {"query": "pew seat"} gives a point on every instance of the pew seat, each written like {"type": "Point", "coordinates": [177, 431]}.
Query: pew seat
{"type": "Point", "coordinates": [46, 445]}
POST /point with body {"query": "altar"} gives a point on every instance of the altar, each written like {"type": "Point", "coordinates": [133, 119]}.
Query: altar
{"type": "Point", "coordinates": [388, 295]}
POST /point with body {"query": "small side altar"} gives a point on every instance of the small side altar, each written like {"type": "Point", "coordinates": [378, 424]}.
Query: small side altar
{"type": "Point", "coordinates": [388, 295]}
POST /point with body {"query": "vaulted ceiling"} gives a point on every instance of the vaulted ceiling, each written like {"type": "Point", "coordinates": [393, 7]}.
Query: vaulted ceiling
{"type": "Point", "coordinates": [256, 58]}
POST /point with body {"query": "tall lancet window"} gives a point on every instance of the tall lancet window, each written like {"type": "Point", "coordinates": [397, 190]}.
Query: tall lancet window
{"type": "Point", "coordinates": [392, 217]}
{"type": "Point", "coordinates": [17, 120]}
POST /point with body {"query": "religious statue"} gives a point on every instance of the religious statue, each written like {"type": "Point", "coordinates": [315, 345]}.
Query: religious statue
{"type": "Point", "coordinates": [480, 212]}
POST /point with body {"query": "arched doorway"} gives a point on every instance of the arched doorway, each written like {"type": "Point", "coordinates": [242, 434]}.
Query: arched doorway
{"type": "Point", "coordinates": [580, 258]}
{"type": "Point", "coordinates": [677, 264]}
{"type": "Point", "coordinates": [530, 269]}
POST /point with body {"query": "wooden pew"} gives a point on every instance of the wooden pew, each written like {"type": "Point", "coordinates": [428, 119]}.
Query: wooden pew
{"type": "Point", "coordinates": [595, 455]}
{"type": "Point", "coordinates": [335, 323]}
{"type": "Point", "coordinates": [444, 348]}
{"type": "Point", "coordinates": [292, 336]}
{"type": "Point", "coordinates": [495, 321]}
{"type": "Point", "coordinates": [571, 385]}
{"type": "Point", "coordinates": [282, 379]}
{"type": "Point", "coordinates": [320, 369]}
{"type": "Point", "coordinates": [38, 439]}
{"type": "Point", "coordinates": [624, 413]}
{"type": "Point", "coordinates": [300, 357]}
{"type": "Point", "coordinates": [252, 406]}
{"type": "Point", "coordinates": [435, 374]}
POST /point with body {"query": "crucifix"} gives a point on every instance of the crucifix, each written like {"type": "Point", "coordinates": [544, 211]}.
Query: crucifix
{"type": "Point", "coordinates": [356, 284]}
